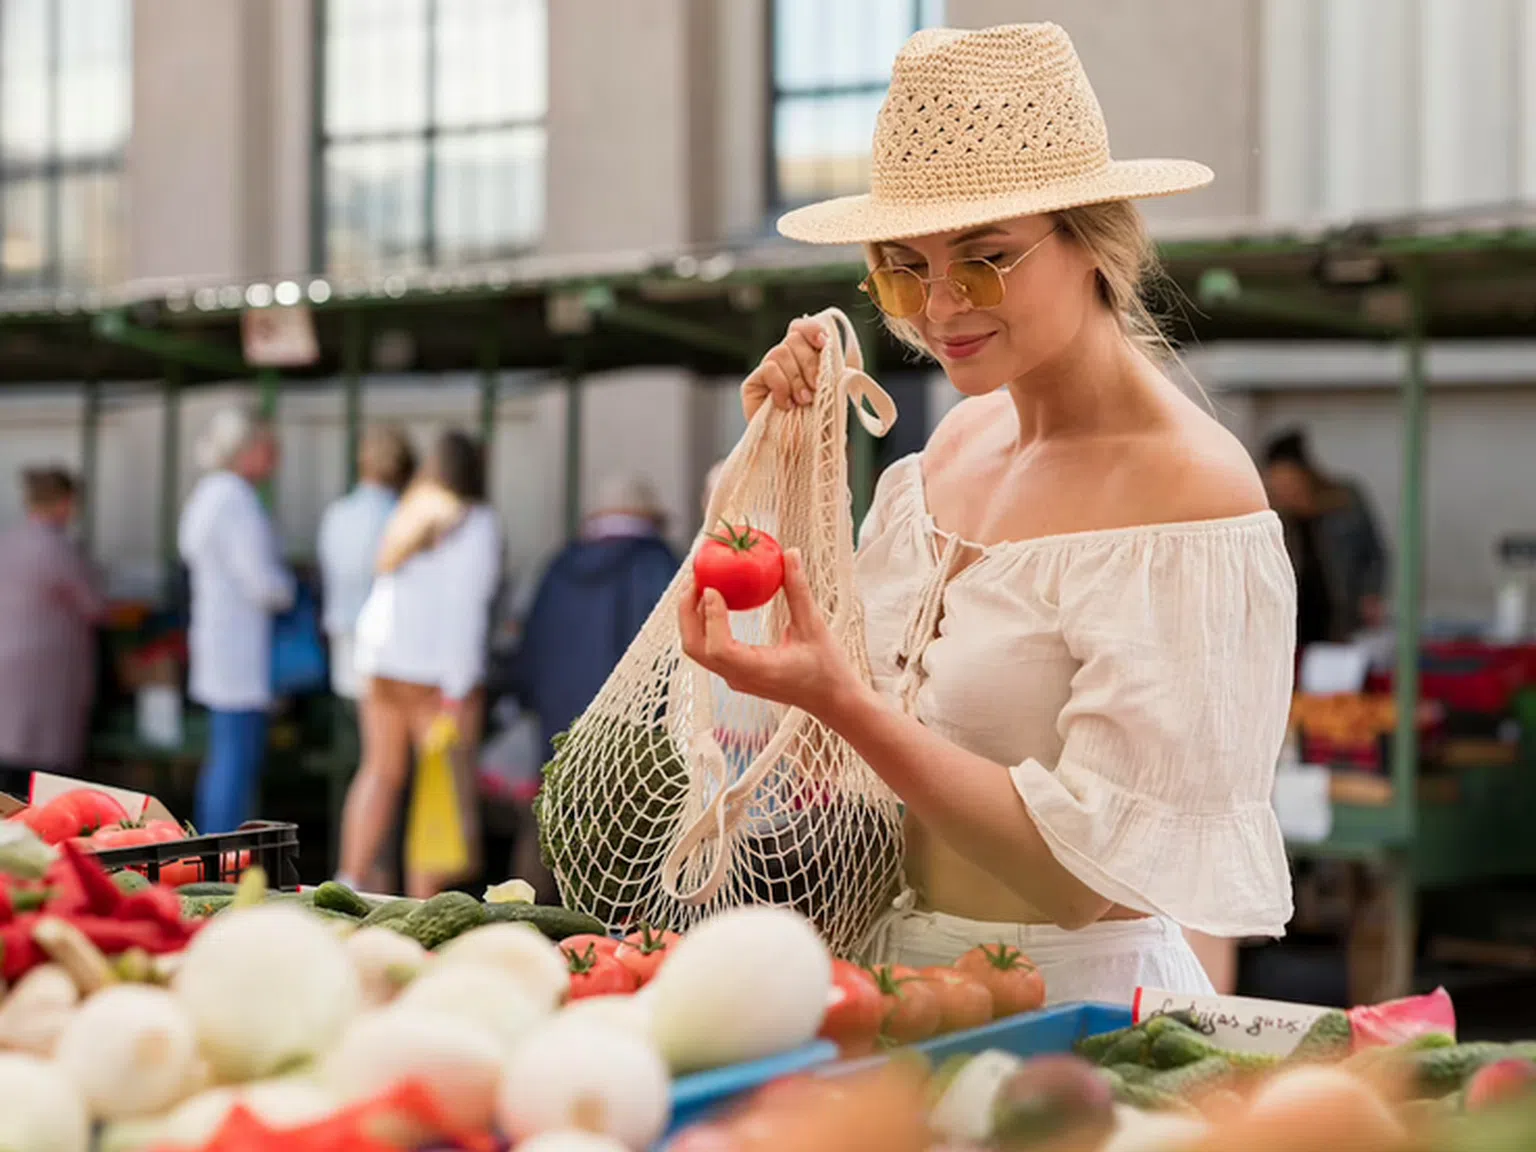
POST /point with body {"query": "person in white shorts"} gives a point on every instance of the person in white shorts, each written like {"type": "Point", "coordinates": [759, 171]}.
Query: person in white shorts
{"type": "Point", "coordinates": [1079, 609]}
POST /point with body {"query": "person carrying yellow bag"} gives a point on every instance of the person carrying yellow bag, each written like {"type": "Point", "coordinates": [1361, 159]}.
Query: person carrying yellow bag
{"type": "Point", "coordinates": [421, 646]}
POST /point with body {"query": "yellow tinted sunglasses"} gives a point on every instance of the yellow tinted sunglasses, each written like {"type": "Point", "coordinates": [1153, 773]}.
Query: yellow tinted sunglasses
{"type": "Point", "coordinates": [900, 292]}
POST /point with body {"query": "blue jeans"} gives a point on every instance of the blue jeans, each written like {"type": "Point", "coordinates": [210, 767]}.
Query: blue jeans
{"type": "Point", "coordinates": [237, 743]}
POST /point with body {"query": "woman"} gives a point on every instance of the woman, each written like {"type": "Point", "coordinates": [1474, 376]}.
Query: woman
{"type": "Point", "coordinates": [421, 645]}
{"type": "Point", "coordinates": [50, 601]}
{"type": "Point", "coordinates": [1079, 609]}
{"type": "Point", "coordinates": [238, 584]}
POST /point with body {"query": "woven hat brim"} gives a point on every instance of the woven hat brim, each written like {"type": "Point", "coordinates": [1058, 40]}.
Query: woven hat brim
{"type": "Point", "coordinates": [863, 219]}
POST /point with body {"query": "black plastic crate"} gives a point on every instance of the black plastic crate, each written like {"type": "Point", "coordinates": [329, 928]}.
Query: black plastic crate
{"type": "Point", "coordinates": [224, 857]}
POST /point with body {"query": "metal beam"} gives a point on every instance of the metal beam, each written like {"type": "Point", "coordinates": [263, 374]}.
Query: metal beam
{"type": "Point", "coordinates": [653, 322]}
{"type": "Point", "coordinates": [490, 388]}
{"type": "Point", "coordinates": [1220, 290]}
{"type": "Point", "coordinates": [114, 328]}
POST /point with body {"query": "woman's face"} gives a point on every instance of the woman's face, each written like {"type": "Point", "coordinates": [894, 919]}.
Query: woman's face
{"type": "Point", "coordinates": [1046, 299]}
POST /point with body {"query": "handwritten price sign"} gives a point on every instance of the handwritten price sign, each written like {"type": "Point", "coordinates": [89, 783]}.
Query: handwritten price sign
{"type": "Point", "coordinates": [1239, 1023]}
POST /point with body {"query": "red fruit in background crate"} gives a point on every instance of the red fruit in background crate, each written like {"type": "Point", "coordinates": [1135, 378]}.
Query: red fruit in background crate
{"type": "Point", "coordinates": [1012, 978]}
{"type": "Point", "coordinates": [744, 565]}
{"type": "Point", "coordinates": [78, 812]}
{"type": "Point", "coordinates": [1502, 1080]}
{"type": "Point", "coordinates": [645, 950]}
{"type": "Point", "coordinates": [596, 974]}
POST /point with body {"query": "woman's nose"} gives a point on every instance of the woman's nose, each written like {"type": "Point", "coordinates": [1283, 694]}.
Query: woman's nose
{"type": "Point", "coordinates": [945, 300]}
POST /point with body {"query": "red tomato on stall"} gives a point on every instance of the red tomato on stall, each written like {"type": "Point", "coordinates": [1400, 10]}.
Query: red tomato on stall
{"type": "Point", "coordinates": [1012, 978]}
{"type": "Point", "coordinates": [645, 950]}
{"type": "Point", "coordinates": [596, 974]}
{"type": "Point", "coordinates": [855, 1009]}
{"type": "Point", "coordinates": [744, 565]}
{"type": "Point", "coordinates": [601, 945]}
{"type": "Point", "coordinates": [964, 1001]}
{"type": "Point", "coordinates": [911, 1005]}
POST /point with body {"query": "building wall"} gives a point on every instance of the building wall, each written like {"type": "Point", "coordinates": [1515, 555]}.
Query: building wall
{"type": "Point", "coordinates": [657, 124]}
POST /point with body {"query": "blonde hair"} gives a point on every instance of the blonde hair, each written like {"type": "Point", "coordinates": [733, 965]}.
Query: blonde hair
{"type": "Point", "coordinates": [1115, 235]}
{"type": "Point", "coordinates": [228, 434]}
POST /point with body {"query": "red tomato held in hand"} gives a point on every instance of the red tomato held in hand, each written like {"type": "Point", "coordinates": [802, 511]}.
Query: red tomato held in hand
{"type": "Point", "coordinates": [593, 974]}
{"type": "Point", "coordinates": [855, 1009]}
{"type": "Point", "coordinates": [1012, 978]}
{"type": "Point", "coordinates": [964, 1001]}
{"type": "Point", "coordinates": [645, 950]}
{"type": "Point", "coordinates": [744, 565]}
{"type": "Point", "coordinates": [911, 1004]}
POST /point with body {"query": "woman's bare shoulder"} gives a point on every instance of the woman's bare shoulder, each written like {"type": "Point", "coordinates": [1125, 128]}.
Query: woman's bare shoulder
{"type": "Point", "coordinates": [1197, 470]}
{"type": "Point", "coordinates": [959, 426]}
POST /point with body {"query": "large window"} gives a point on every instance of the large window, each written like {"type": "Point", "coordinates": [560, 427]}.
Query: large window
{"type": "Point", "coordinates": [65, 108]}
{"type": "Point", "coordinates": [431, 131]}
{"type": "Point", "coordinates": [831, 63]}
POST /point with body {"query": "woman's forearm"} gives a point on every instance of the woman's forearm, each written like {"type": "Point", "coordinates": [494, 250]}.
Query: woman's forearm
{"type": "Point", "coordinates": [967, 800]}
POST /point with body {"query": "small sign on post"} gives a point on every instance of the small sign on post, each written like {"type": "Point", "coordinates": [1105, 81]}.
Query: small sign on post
{"type": "Point", "coordinates": [279, 337]}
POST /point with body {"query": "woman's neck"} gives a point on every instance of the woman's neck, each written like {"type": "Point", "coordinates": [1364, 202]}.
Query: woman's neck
{"type": "Point", "coordinates": [1099, 383]}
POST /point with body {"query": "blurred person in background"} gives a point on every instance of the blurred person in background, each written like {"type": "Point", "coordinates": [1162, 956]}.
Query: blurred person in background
{"type": "Point", "coordinates": [348, 545]}
{"type": "Point", "coordinates": [50, 601]}
{"type": "Point", "coordinates": [591, 602]}
{"type": "Point", "coordinates": [589, 605]}
{"type": "Point", "coordinates": [1334, 542]}
{"type": "Point", "coordinates": [421, 647]}
{"type": "Point", "coordinates": [238, 583]}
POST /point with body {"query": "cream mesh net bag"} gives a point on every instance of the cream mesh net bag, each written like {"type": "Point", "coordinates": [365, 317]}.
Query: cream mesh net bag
{"type": "Point", "coordinates": [672, 797]}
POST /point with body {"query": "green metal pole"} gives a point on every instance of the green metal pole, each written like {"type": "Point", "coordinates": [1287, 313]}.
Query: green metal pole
{"type": "Point", "coordinates": [353, 335]}
{"type": "Point", "coordinates": [490, 389]}
{"type": "Point", "coordinates": [573, 390]}
{"type": "Point", "coordinates": [170, 472]}
{"type": "Point", "coordinates": [90, 424]}
{"type": "Point", "coordinates": [268, 384]}
{"type": "Point", "coordinates": [1410, 565]}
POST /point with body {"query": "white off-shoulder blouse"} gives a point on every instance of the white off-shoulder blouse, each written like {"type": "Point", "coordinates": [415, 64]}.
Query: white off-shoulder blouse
{"type": "Point", "coordinates": [1134, 682]}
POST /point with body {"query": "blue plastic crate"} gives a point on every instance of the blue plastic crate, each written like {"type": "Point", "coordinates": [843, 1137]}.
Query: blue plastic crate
{"type": "Point", "coordinates": [695, 1097]}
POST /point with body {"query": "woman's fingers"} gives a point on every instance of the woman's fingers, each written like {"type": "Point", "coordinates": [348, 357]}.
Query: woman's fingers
{"type": "Point", "coordinates": [804, 615]}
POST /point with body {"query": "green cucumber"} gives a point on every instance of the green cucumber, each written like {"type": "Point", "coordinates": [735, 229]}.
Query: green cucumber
{"type": "Point", "coordinates": [555, 923]}
{"type": "Point", "coordinates": [441, 918]}
{"type": "Point", "coordinates": [334, 896]}
{"type": "Point", "coordinates": [129, 882]}
{"type": "Point", "coordinates": [207, 888]}
{"type": "Point", "coordinates": [391, 910]}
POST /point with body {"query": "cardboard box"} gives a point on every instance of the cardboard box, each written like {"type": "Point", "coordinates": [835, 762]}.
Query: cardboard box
{"type": "Point", "coordinates": [45, 786]}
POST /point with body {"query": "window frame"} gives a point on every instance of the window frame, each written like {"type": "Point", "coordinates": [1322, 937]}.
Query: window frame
{"type": "Point", "coordinates": [776, 93]}
{"type": "Point", "coordinates": [53, 169]}
{"type": "Point", "coordinates": [428, 136]}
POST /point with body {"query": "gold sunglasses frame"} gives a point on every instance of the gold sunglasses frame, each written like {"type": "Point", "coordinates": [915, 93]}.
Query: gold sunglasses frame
{"type": "Point", "coordinates": [955, 285]}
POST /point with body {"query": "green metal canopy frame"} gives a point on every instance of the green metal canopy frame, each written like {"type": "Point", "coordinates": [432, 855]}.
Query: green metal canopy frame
{"type": "Point", "coordinates": [1409, 281]}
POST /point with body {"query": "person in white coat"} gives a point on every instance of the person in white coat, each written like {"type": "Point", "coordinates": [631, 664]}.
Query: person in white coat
{"type": "Point", "coordinates": [238, 583]}
{"type": "Point", "coordinates": [421, 647]}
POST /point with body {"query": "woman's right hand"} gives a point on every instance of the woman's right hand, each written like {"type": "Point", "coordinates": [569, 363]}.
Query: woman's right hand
{"type": "Point", "coordinates": [787, 375]}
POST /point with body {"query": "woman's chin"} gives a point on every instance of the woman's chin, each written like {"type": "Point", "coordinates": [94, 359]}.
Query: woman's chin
{"type": "Point", "coordinates": [972, 380]}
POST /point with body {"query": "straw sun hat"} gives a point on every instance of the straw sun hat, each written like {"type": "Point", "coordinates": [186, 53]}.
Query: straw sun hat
{"type": "Point", "coordinates": [984, 126]}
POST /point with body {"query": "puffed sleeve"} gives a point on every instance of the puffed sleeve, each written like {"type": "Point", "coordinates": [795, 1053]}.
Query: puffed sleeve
{"type": "Point", "coordinates": [1161, 797]}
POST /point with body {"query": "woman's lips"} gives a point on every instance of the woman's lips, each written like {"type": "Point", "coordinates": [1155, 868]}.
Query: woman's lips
{"type": "Point", "coordinates": [962, 347]}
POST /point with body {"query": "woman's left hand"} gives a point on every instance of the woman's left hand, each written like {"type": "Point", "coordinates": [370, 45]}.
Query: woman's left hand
{"type": "Point", "coordinates": [806, 670]}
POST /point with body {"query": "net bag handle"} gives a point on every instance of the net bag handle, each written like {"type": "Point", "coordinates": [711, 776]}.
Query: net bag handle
{"type": "Point", "coordinates": [841, 380]}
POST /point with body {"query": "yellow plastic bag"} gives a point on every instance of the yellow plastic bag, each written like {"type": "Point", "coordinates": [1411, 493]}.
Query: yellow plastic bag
{"type": "Point", "coordinates": [434, 833]}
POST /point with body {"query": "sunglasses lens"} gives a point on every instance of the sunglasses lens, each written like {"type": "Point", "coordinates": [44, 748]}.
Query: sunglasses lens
{"type": "Point", "coordinates": [979, 282]}
{"type": "Point", "coordinates": [896, 291]}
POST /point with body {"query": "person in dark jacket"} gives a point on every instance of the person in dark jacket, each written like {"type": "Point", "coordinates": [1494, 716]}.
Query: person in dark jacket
{"type": "Point", "coordinates": [1341, 564]}
{"type": "Point", "coordinates": [591, 602]}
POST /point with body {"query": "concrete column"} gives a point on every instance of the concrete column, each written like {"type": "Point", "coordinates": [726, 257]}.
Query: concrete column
{"type": "Point", "coordinates": [619, 125]}
{"type": "Point", "coordinates": [1470, 147]}
{"type": "Point", "coordinates": [1291, 102]}
{"type": "Point", "coordinates": [1370, 116]}
{"type": "Point", "coordinates": [216, 88]}
{"type": "Point", "coordinates": [1525, 90]}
